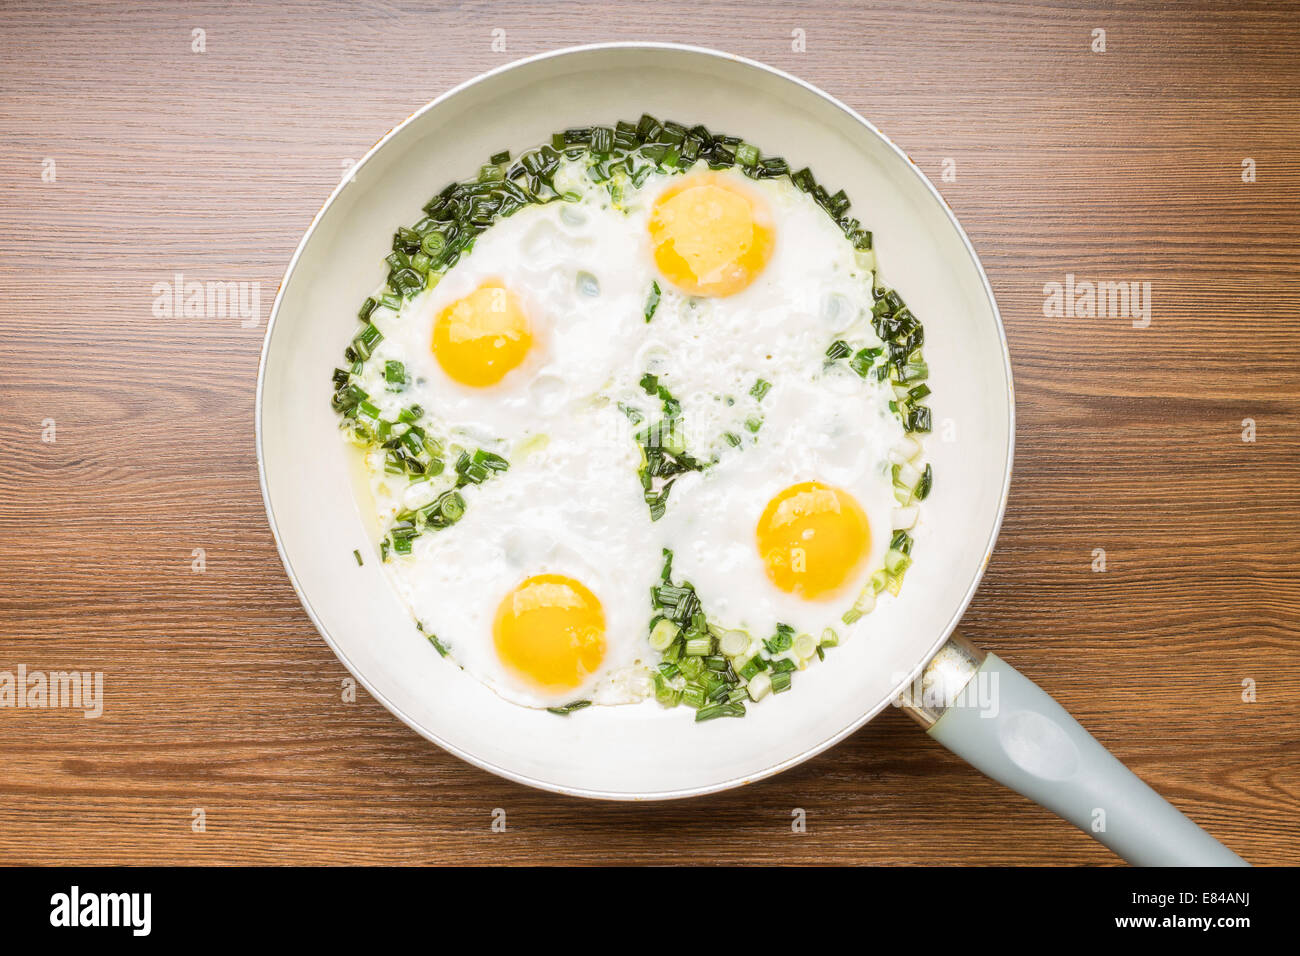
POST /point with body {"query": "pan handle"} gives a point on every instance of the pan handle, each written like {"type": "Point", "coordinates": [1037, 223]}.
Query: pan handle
{"type": "Point", "coordinates": [989, 714]}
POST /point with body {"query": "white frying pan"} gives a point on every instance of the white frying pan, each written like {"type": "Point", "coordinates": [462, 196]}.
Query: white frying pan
{"type": "Point", "coordinates": [904, 649]}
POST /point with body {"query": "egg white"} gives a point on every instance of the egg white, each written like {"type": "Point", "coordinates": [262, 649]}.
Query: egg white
{"type": "Point", "coordinates": [571, 502]}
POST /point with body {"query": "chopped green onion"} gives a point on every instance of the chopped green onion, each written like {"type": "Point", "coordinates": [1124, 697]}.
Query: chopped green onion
{"type": "Point", "coordinates": [781, 641]}
{"type": "Point", "coordinates": [394, 373]}
{"type": "Point", "coordinates": [896, 562]}
{"type": "Point", "coordinates": [665, 693]}
{"type": "Point", "coordinates": [699, 646]}
{"type": "Point", "coordinates": [663, 634]}
{"type": "Point", "coordinates": [733, 709]}
{"type": "Point", "coordinates": [733, 643]}
{"type": "Point", "coordinates": [925, 484]}
{"type": "Point", "coordinates": [839, 349]}
{"type": "Point", "coordinates": [693, 696]}
{"type": "Point", "coordinates": [569, 707]}
{"type": "Point", "coordinates": [652, 301]}
{"type": "Point", "coordinates": [746, 155]}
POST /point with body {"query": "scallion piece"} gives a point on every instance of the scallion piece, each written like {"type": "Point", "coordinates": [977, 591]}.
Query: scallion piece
{"type": "Point", "coordinates": [925, 484]}
{"type": "Point", "coordinates": [781, 641]}
{"type": "Point", "coordinates": [733, 643]}
{"type": "Point", "coordinates": [665, 693]}
{"type": "Point", "coordinates": [663, 633]}
{"type": "Point", "coordinates": [896, 562]}
{"type": "Point", "coordinates": [730, 709]}
{"type": "Point", "coordinates": [693, 695]}
{"type": "Point", "coordinates": [699, 646]}
{"type": "Point", "coordinates": [569, 708]}
{"type": "Point", "coordinates": [652, 301]}
{"type": "Point", "coordinates": [839, 349]}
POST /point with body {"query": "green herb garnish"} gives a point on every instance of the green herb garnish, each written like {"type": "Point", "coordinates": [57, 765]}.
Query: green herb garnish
{"type": "Point", "coordinates": [664, 450]}
{"type": "Point", "coordinates": [652, 301]}
{"type": "Point", "coordinates": [569, 708]}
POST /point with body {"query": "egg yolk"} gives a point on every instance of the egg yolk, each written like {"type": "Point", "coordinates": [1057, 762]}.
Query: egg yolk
{"type": "Point", "coordinates": [710, 237]}
{"type": "Point", "coordinates": [479, 338]}
{"type": "Point", "coordinates": [550, 630]}
{"type": "Point", "coordinates": [813, 538]}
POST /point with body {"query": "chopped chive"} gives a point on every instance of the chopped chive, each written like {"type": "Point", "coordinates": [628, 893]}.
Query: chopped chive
{"type": "Point", "coordinates": [569, 708]}
{"type": "Point", "coordinates": [760, 389]}
{"type": "Point", "coordinates": [730, 709]}
{"type": "Point", "coordinates": [839, 349]}
{"type": "Point", "coordinates": [652, 301]}
{"type": "Point", "coordinates": [925, 484]}
{"type": "Point", "coordinates": [665, 693]}
{"type": "Point", "coordinates": [918, 419]}
{"type": "Point", "coordinates": [699, 646]}
{"type": "Point", "coordinates": [781, 641]}
{"type": "Point", "coordinates": [357, 555]}
{"type": "Point", "coordinates": [693, 695]}
{"type": "Point", "coordinates": [394, 372]}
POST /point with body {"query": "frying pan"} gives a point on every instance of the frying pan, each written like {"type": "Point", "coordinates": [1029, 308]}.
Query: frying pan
{"type": "Point", "coordinates": [905, 652]}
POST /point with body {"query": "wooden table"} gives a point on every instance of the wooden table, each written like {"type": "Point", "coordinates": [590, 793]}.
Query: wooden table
{"type": "Point", "coordinates": [128, 156]}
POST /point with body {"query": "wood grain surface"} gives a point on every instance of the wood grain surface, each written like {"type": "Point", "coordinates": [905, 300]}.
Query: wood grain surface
{"type": "Point", "coordinates": [1118, 165]}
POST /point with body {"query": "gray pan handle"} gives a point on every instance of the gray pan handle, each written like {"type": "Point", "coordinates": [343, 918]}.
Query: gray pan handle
{"type": "Point", "coordinates": [989, 714]}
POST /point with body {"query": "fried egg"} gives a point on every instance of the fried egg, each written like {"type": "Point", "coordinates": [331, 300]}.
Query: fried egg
{"type": "Point", "coordinates": [536, 345]}
{"type": "Point", "coordinates": [539, 591]}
